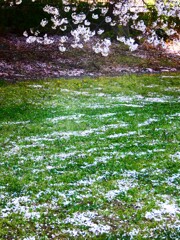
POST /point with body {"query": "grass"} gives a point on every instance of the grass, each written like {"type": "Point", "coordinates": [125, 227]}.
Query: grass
{"type": "Point", "coordinates": [90, 158]}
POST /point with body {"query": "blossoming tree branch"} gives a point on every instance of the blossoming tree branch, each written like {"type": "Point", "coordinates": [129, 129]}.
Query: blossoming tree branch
{"type": "Point", "coordinates": [150, 21]}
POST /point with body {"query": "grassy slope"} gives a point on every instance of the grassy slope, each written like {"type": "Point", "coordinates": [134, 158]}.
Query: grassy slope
{"type": "Point", "coordinates": [94, 157]}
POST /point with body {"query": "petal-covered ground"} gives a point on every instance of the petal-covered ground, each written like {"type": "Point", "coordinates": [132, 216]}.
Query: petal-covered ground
{"type": "Point", "coordinates": [90, 158]}
{"type": "Point", "coordinates": [22, 61]}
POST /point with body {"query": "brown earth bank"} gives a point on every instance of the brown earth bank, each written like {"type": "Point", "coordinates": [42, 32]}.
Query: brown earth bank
{"type": "Point", "coordinates": [22, 61]}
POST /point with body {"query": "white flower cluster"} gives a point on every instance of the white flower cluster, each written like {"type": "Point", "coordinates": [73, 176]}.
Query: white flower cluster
{"type": "Point", "coordinates": [51, 10]}
{"type": "Point", "coordinates": [42, 40]}
{"type": "Point", "coordinates": [18, 2]}
{"type": "Point", "coordinates": [44, 22]}
{"type": "Point", "coordinates": [66, 2]}
{"type": "Point", "coordinates": [62, 41]}
{"type": "Point", "coordinates": [104, 10]}
{"type": "Point", "coordinates": [102, 47]}
{"type": "Point", "coordinates": [153, 39]}
{"type": "Point", "coordinates": [129, 41]}
{"type": "Point", "coordinates": [167, 8]}
{"type": "Point", "coordinates": [117, 14]}
{"type": "Point", "coordinates": [81, 34]}
{"type": "Point", "coordinates": [78, 18]}
{"type": "Point", "coordinates": [140, 25]}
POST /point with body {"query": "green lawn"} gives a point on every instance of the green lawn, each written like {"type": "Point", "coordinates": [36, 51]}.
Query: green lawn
{"type": "Point", "coordinates": [90, 158]}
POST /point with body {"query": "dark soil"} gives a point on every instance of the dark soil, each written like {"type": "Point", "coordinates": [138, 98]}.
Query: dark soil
{"type": "Point", "coordinates": [22, 61]}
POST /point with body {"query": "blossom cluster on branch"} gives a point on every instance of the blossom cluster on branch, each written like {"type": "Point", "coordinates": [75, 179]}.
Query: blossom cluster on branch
{"type": "Point", "coordinates": [76, 28]}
